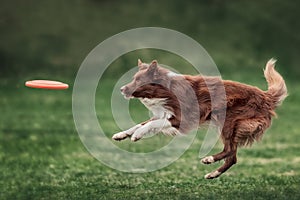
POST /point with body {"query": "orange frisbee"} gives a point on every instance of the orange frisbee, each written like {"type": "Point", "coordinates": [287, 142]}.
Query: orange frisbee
{"type": "Point", "coordinates": [47, 84]}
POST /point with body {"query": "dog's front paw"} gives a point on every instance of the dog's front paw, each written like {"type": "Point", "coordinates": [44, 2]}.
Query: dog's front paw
{"type": "Point", "coordinates": [208, 160]}
{"type": "Point", "coordinates": [212, 175]}
{"type": "Point", "coordinates": [135, 138]}
{"type": "Point", "coordinates": [120, 136]}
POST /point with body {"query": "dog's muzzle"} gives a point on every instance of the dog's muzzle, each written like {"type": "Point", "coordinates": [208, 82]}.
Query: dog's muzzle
{"type": "Point", "coordinates": [125, 93]}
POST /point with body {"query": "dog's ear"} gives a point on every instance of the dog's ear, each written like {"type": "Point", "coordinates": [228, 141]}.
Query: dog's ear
{"type": "Point", "coordinates": [140, 63]}
{"type": "Point", "coordinates": [153, 66]}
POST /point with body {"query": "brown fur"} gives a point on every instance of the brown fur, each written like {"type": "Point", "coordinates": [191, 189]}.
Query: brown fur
{"type": "Point", "coordinates": [248, 109]}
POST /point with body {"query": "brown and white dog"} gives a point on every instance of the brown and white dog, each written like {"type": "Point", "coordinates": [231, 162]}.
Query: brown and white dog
{"type": "Point", "coordinates": [180, 103]}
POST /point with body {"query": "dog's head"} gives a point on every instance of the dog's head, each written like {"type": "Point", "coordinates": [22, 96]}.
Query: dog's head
{"type": "Point", "coordinates": [145, 81]}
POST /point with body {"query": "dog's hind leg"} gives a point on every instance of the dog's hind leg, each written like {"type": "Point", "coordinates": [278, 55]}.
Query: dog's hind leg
{"type": "Point", "coordinates": [245, 133]}
{"type": "Point", "coordinates": [229, 146]}
{"type": "Point", "coordinates": [227, 151]}
{"type": "Point", "coordinates": [229, 161]}
{"type": "Point", "coordinates": [250, 130]}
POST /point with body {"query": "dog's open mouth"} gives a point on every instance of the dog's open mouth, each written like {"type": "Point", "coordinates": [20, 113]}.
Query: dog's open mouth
{"type": "Point", "coordinates": [127, 96]}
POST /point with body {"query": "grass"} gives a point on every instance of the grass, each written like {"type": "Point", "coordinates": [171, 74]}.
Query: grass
{"type": "Point", "coordinates": [41, 155]}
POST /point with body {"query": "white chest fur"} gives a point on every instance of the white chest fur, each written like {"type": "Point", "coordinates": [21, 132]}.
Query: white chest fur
{"type": "Point", "coordinates": [157, 107]}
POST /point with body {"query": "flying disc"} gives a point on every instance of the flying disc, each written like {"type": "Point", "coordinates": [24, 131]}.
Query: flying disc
{"type": "Point", "coordinates": [47, 84]}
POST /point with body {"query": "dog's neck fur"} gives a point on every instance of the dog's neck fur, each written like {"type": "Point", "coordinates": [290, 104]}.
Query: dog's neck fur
{"type": "Point", "coordinates": [157, 107]}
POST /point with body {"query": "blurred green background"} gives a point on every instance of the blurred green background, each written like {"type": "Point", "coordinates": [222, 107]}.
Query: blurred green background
{"type": "Point", "coordinates": [41, 156]}
{"type": "Point", "coordinates": [55, 36]}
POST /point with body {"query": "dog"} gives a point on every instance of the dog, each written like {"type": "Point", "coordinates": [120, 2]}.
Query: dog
{"type": "Point", "coordinates": [180, 103]}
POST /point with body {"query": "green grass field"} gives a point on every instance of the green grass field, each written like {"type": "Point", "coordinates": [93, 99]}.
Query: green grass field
{"type": "Point", "coordinates": [41, 155]}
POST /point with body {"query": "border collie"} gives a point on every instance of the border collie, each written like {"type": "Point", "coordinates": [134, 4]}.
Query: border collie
{"type": "Point", "coordinates": [180, 103]}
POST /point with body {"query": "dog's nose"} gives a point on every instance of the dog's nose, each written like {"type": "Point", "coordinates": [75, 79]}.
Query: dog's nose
{"type": "Point", "coordinates": [122, 88]}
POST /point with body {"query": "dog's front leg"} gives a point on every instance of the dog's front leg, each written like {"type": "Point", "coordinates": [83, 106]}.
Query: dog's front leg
{"type": "Point", "coordinates": [124, 134]}
{"type": "Point", "coordinates": [154, 126]}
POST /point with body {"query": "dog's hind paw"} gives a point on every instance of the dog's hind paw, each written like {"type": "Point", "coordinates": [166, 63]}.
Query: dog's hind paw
{"type": "Point", "coordinates": [212, 175]}
{"type": "Point", "coordinates": [208, 160]}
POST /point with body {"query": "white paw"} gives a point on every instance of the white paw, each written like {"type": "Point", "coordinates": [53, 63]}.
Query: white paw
{"type": "Point", "coordinates": [208, 160]}
{"type": "Point", "coordinates": [120, 136]}
{"type": "Point", "coordinates": [135, 138]}
{"type": "Point", "coordinates": [212, 175]}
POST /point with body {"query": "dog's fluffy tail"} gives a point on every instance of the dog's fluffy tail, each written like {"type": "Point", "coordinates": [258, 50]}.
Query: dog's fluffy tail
{"type": "Point", "coordinates": [276, 85]}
